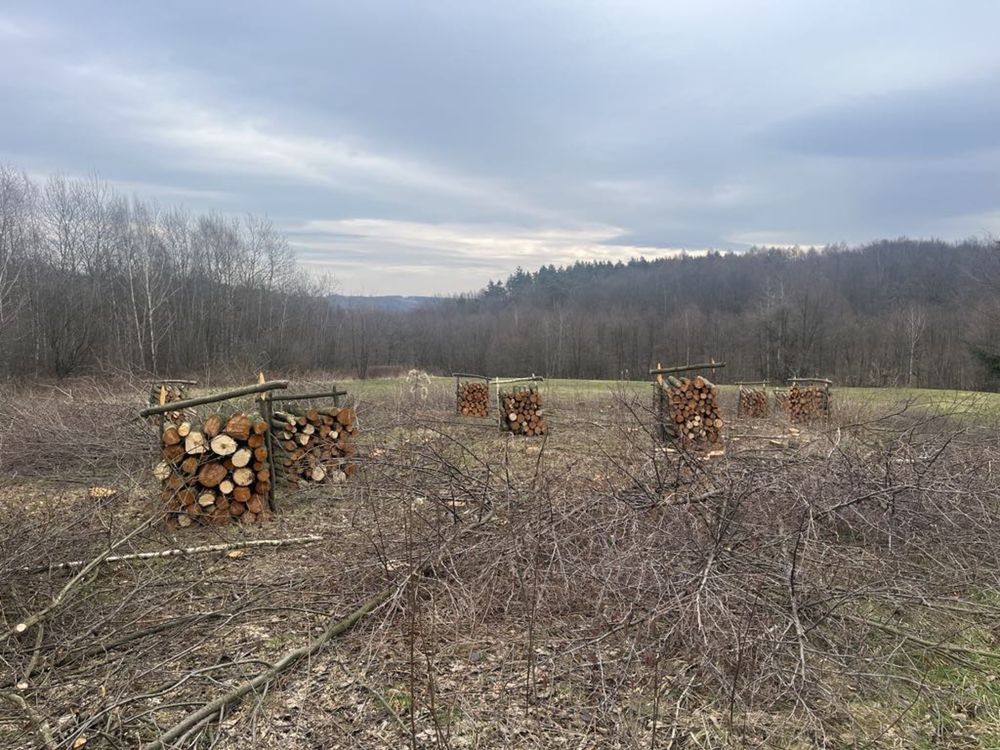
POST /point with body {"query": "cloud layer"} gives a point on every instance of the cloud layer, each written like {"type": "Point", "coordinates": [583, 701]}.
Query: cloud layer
{"type": "Point", "coordinates": [427, 147]}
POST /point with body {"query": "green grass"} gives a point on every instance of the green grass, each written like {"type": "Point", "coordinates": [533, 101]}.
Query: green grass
{"type": "Point", "coordinates": [935, 401]}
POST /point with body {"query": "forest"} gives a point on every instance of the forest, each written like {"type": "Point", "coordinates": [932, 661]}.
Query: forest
{"type": "Point", "coordinates": [94, 281]}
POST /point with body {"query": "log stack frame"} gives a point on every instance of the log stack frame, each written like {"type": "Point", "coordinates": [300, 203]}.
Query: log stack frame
{"type": "Point", "coordinates": [752, 399]}
{"type": "Point", "coordinates": [312, 427]}
{"type": "Point", "coordinates": [230, 433]}
{"type": "Point", "coordinates": [464, 399]}
{"type": "Point", "coordinates": [665, 385]}
{"type": "Point", "coordinates": [809, 399]}
{"type": "Point", "coordinates": [526, 385]}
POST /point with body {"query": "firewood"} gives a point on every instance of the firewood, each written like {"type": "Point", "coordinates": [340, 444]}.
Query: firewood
{"type": "Point", "coordinates": [243, 477]}
{"type": "Point", "coordinates": [226, 486]}
{"type": "Point", "coordinates": [223, 445]}
{"type": "Point", "coordinates": [194, 443]}
{"type": "Point", "coordinates": [309, 439]}
{"type": "Point", "coordinates": [212, 425]}
{"type": "Point", "coordinates": [473, 399]}
{"type": "Point", "coordinates": [807, 401]}
{"type": "Point", "coordinates": [242, 457]}
{"type": "Point", "coordinates": [689, 412]}
{"type": "Point", "coordinates": [523, 410]}
{"type": "Point", "coordinates": [238, 427]}
{"type": "Point", "coordinates": [211, 474]}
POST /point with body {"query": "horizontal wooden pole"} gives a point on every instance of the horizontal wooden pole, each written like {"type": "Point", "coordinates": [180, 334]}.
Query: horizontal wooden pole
{"type": "Point", "coordinates": [187, 403]}
{"type": "Point", "coordinates": [508, 381]}
{"type": "Point", "coordinates": [307, 396]}
{"type": "Point", "coordinates": [685, 368]}
{"type": "Point", "coordinates": [810, 380]}
{"type": "Point", "coordinates": [751, 382]}
{"type": "Point", "coordinates": [469, 375]}
{"type": "Point", "coordinates": [174, 381]}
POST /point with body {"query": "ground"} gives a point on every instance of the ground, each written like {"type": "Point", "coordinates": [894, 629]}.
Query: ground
{"type": "Point", "coordinates": [819, 585]}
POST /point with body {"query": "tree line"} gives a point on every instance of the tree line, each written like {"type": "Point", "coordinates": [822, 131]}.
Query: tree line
{"type": "Point", "coordinates": [900, 312]}
{"type": "Point", "coordinates": [91, 280]}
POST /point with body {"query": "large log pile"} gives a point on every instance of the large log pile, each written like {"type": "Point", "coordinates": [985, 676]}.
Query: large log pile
{"type": "Point", "coordinates": [753, 402]}
{"type": "Point", "coordinates": [314, 445]}
{"type": "Point", "coordinates": [215, 472]}
{"type": "Point", "coordinates": [522, 411]}
{"type": "Point", "coordinates": [473, 399]}
{"type": "Point", "coordinates": [808, 402]}
{"type": "Point", "coordinates": [692, 415]}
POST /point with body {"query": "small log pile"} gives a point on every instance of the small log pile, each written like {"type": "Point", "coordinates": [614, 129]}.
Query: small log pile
{"type": "Point", "coordinates": [215, 472]}
{"type": "Point", "coordinates": [781, 399]}
{"type": "Point", "coordinates": [806, 403]}
{"type": "Point", "coordinates": [169, 392]}
{"type": "Point", "coordinates": [753, 402]}
{"type": "Point", "coordinates": [474, 399]}
{"type": "Point", "coordinates": [693, 417]}
{"type": "Point", "coordinates": [314, 445]}
{"type": "Point", "coordinates": [522, 412]}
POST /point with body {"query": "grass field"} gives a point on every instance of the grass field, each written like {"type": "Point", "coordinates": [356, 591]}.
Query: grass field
{"type": "Point", "coordinates": [983, 406]}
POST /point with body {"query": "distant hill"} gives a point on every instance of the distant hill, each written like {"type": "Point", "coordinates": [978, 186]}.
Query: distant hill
{"type": "Point", "coordinates": [391, 302]}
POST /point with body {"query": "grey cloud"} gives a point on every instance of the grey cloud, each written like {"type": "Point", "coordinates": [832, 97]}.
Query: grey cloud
{"type": "Point", "coordinates": [473, 137]}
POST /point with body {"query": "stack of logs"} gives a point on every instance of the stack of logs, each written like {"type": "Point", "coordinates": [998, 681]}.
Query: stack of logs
{"type": "Point", "coordinates": [314, 445]}
{"type": "Point", "coordinates": [781, 399]}
{"type": "Point", "coordinates": [522, 412]}
{"type": "Point", "coordinates": [753, 402]}
{"type": "Point", "coordinates": [169, 392]}
{"type": "Point", "coordinates": [805, 403]}
{"type": "Point", "coordinates": [692, 412]}
{"type": "Point", "coordinates": [474, 399]}
{"type": "Point", "coordinates": [216, 472]}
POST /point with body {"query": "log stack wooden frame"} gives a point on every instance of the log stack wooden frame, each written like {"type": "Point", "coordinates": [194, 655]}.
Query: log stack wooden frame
{"type": "Point", "coordinates": [472, 395]}
{"type": "Point", "coordinates": [520, 405]}
{"type": "Point", "coordinates": [752, 399]}
{"type": "Point", "coordinates": [220, 469]}
{"type": "Point", "coordinates": [686, 409]}
{"type": "Point", "coordinates": [312, 443]}
{"type": "Point", "coordinates": [809, 399]}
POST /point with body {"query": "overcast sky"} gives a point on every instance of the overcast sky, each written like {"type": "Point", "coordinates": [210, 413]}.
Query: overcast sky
{"type": "Point", "coordinates": [425, 147]}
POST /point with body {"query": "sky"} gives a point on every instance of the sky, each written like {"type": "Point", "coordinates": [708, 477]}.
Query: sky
{"type": "Point", "coordinates": [426, 147]}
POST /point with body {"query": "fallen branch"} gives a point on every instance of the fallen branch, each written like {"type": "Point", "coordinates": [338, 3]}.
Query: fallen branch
{"type": "Point", "coordinates": [180, 551]}
{"type": "Point", "coordinates": [336, 628]}
{"type": "Point", "coordinates": [63, 594]}
{"type": "Point", "coordinates": [41, 726]}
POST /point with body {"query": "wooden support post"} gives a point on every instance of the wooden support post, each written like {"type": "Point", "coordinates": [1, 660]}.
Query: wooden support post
{"type": "Point", "coordinates": [266, 412]}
